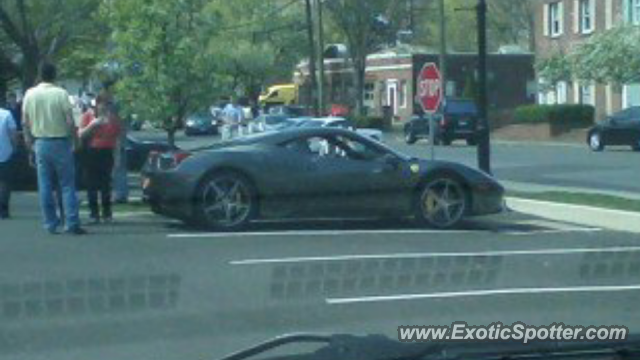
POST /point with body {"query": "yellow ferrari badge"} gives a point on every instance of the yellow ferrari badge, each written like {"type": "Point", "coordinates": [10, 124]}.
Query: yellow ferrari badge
{"type": "Point", "coordinates": [415, 168]}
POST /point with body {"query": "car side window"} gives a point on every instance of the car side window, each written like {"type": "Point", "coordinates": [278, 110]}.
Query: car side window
{"type": "Point", "coordinates": [354, 149]}
{"type": "Point", "coordinates": [313, 146]}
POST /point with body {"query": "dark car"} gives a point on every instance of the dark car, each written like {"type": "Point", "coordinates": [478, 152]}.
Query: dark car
{"type": "Point", "coordinates": [621, 128]}
{"type": "Point", "coordinates": [24, 172]}
{"type": "Point", "coordinates": [289, 111]}
{"type": "Point", "coordinates": [458, 123]}
{"type": "Point", "coordinates": [316, 172]}
{"type": "Point", "coordinates": [201, 123]}
{"type": "Point", "coordinates": [139, 150]}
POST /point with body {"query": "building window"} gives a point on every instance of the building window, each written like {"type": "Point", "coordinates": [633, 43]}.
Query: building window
{"type": "Point", "coordinates": [561, 92]}
{"type": "Point", "coordinates": [402, 94]}
{"type": "Point", "coordinates": [586, 10]}
{"type": "Point", "coordinates": [635, 12]}
{"type": "Point", "coordinates": [555, 19]}
{"type": "Point", "coordinates": [369, 92]}
{"type": "Point", "coordinates": [587, 94]}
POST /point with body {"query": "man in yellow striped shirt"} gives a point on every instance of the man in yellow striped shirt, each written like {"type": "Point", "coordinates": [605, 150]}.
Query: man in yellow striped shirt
{"type": "Point", "coordinates": [50, 129]}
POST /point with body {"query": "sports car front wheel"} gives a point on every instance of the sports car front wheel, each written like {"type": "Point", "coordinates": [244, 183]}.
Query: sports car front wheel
{"type": "Point", "coordinates": [225, 201]}
{"type": "Point", "coordinates": [441, 203]}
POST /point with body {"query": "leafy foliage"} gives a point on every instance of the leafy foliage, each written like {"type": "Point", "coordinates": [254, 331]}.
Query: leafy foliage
{"type": "Point", "coordinates": [158, 46]}
{"type": "Point", "coordinates": [554, 69]}
{"type": "Point", "coordinates": [557, 115]}
{"type": "Point", "coordinates": [366, 25]}
{"type": "Point", "coordinates": [32, 31]}
{"type": "Point", "coordinates": [612, 56]}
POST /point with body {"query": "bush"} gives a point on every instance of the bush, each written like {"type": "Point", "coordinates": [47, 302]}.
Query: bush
{"type": "Point", "coordinates": [372, 122]}
{"type": "Point", "coordinates": [570, 116]}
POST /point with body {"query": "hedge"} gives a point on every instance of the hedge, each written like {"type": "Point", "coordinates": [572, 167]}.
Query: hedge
{"type": "Point", "coordinates": [571, 116]}
{"type": "Point", "coordinates": [372, 122]}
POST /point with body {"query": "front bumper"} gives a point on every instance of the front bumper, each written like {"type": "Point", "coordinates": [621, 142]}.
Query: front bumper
{"type": "Point", "coordinates": [168, 195]}
{"type": "Point", "coordinates": [487, 199]}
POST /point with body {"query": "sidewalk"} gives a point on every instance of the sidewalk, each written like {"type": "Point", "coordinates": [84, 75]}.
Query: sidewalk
{"type": "Point", "coordinates": [618, 220]}
{"type": "Point", "coordinates": [538, 188]}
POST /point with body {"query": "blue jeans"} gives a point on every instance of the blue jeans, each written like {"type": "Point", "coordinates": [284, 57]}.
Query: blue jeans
{"type": "Point", "coordinates": [120, 179]}
{"type": "Point", "coordinates": [55, 160]}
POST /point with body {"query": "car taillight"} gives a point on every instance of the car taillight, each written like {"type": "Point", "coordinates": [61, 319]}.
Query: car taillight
{"type": "Point", "coordinates": [169, 161]}
{"type": "Point", "coordinates": [180, 157]}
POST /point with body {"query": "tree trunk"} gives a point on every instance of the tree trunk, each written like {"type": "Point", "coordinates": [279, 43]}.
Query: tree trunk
{"type": "Point", "coordinates": [30, 69]}
{"type": "Point", "coordinates": [3, 93]}
{"type": "Point", "coordinates": [171, 136]}
{"type": "Point", "coordinates": [312, 59]}
{"type": "Point", "coordinates": [359, 67]}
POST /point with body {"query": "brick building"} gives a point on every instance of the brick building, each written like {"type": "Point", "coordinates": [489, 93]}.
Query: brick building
{"type": "Point", "coordinates": [561, 25]}
{"type": "Point", "coordinates": [390, 80]}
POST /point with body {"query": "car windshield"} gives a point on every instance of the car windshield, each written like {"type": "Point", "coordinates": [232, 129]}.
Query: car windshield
{"type": "Point", "coordinates": [274, 119]}
{"type": "Point", "coordinates": [312, 123]}
{"type": "Point", "coordinates": [461, 107]}
{"type": "Point", "coordinates": [362, 179]}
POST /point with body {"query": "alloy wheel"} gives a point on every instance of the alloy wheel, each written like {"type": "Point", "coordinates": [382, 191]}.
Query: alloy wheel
{"type": "Point", "coordinates": [595, 142]}
{"type": "Point", "coordinates": [226, 202]}
{"type": "Point", "coordinates": [443, 203]}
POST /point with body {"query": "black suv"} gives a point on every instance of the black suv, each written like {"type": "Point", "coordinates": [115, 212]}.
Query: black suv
{"type": "Point", "coordinates": [459, 122]}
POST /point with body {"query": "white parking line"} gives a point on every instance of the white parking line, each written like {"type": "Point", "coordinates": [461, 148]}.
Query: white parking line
{"type": "Point", "coordinates": [480, 293]}
{"type": "Point", "coordinates": [562, 251]}
{"type": "Point", "coordinates": [551, 231]}
{"type": "Point", "coordinates": [317, 233]}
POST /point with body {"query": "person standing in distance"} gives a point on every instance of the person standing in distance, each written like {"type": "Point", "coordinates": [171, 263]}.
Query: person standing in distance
{"type": "Point", "coordinates": [49, 128]}
{"type": "Point", "coordinates": [100, 132]}
{"type": "Point", "coordinates": [8, 143]}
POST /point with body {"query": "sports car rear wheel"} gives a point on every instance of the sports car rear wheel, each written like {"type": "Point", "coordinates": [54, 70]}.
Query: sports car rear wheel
{"type": "Point", "coordinates": [441, 203]}
{"type": "Point", "coordinates": [226, 201]}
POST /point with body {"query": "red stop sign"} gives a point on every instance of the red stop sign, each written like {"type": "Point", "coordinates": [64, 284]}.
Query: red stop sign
{"type": "Point", "coordinates": [429, 88]}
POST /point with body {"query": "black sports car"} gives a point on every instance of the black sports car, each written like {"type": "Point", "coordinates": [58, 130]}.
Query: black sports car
{"type": "Point", "coordinates": [621, 128]}
{"type": "Point", "coordinates": [302, 173]}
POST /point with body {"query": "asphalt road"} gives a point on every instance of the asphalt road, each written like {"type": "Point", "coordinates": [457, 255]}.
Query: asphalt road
{"type": "Point", "coordinates": [547, 165]}
{"type": "Point", "coordinates": [149, 288]}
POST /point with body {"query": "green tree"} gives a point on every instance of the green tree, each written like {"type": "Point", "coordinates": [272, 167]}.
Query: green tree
{"type": "Point", "coordinates": [259, 42]}
{"type": "Point", "coordinates": [553, 70]}
{"type": "Point", "coordinates": [612, 56]}
{"type": "Point", "coordinates": [167, 70]}
{"type": "Point", "coordinates": [32, 31]}
{"type": "Point", "coordinates": [356, 19]}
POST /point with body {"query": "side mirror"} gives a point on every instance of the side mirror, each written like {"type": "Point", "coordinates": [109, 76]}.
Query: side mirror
{"type": "Point", "coordinates": [392, 161]}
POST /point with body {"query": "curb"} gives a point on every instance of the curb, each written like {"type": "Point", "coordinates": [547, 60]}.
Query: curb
{"type": "Point", "coordinates": [540, 188]}
{"type": "Point", "coordinates": [611, 219]}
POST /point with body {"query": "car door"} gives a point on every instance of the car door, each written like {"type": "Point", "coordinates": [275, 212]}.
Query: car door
{"type": "Point", "coordinates": [367, 179]}
{"type": "Point", "coordinates": [618, 128]}
{"type": "Point", "coordinates": [635, 127]}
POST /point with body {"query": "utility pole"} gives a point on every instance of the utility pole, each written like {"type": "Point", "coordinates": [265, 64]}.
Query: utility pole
{"type": "Point", "coordinates": [312, 57]}
{"type": "Point", "coordinates": [321, 105]}
{"type": "Point", "coordinates": [483, 131]}
{"type": "Point", "coordinates": [443, 49]}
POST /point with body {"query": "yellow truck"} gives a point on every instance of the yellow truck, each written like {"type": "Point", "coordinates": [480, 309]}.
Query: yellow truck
{"type": "Point", "coordinates": [286, 94]}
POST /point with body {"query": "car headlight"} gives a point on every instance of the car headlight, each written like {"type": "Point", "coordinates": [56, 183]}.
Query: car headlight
{"type": "Point", "coordinates": [191, 123]}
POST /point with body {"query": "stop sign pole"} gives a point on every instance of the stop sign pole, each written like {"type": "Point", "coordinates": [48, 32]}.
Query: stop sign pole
{"type": "Point", "coordinates": [430, 98]}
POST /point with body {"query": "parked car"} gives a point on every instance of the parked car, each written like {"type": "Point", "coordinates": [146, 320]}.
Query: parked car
{"type": "Point", "coordinates": [266, 123]}
{"type": "Point", "coordinates": [289, 110]}
{"type": "Point", "coordinates": [341, 123]}
{"type": "Point", "coordinates": [458, 123]}
{"type": "Point", "coordinates": [138, 151]}
{"type": "Point", "coordinates": [313, 172]}
{"type": "Point", "coordinates": [201, 123]}
{"type": "Point", "coordinates": [621, 128]}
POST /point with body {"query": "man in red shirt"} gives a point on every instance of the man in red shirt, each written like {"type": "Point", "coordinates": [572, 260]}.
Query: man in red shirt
{"type": "Point", "coordinates": [99, 133]}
